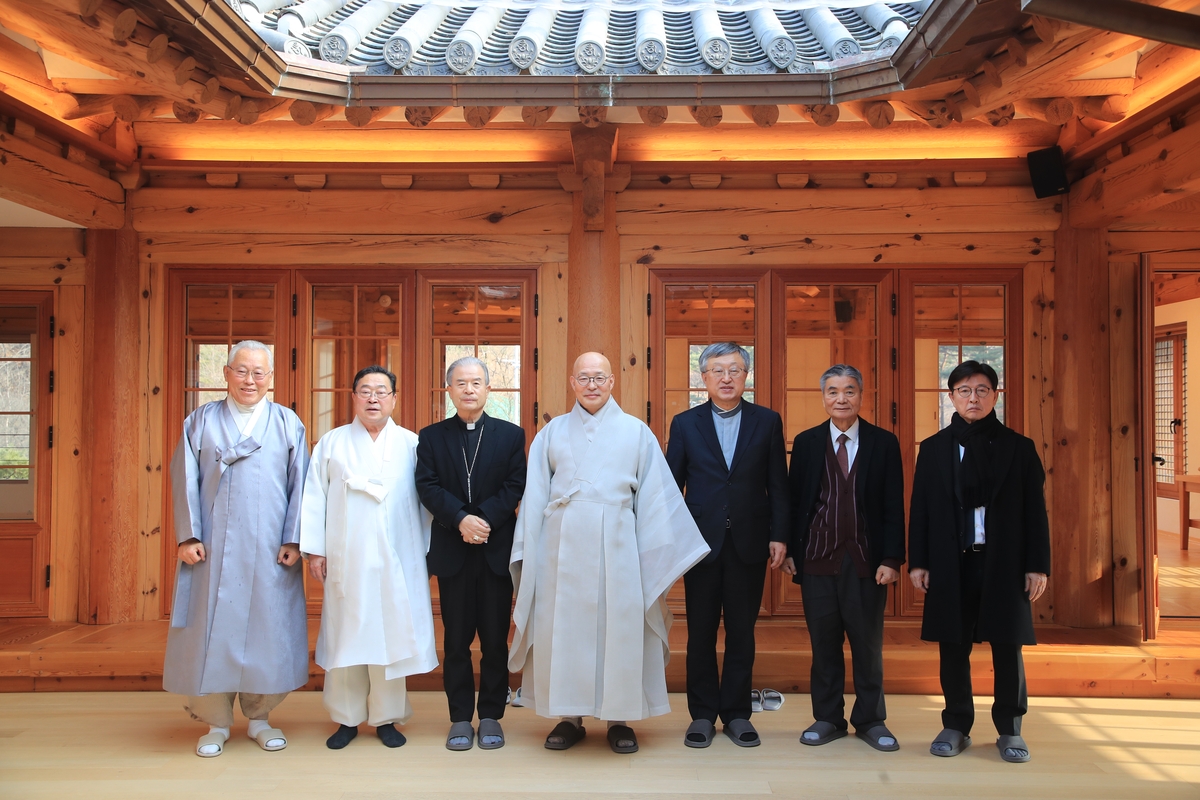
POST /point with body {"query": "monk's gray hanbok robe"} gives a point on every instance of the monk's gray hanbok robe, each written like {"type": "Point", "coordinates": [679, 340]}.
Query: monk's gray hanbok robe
{"type": "Point", "coordinates": [601, 535]}
{"type": "Point", "coordinates": [238, 621]}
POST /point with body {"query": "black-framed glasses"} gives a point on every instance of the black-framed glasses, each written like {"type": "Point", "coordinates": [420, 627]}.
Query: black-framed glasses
{"type": "Point", "coordinates": [965, 392]}
{"type": "Point", "coordinates": [591, 380]}
{"type": "Point", "coordinates": [367, 394]}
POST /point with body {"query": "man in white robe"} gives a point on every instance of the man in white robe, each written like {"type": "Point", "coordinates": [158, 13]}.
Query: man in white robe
{"type": "Point", "coordinates": [601, 536]}
{"type": "Point", "coordinates": [238, 623]}
{"type": "Point", "coordinates": [365, 539]}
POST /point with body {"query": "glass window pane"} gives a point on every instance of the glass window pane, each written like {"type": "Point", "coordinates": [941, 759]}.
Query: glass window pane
{"type": "Point", "coordinates": [804, 410]}
{"type": "Point", "coordinates": [982, 314]}
{"type": "Point", "coordinates": [208, 366]}
{"type": "Point", "coordinates": [208, 311]}
{"type": "Point", "coordinates": [686, 312]}
{"type": "Point", "coordinates": [807, 311]}
{"type": "Point", "coordinates": [379, 311]}
{"type": "Point", "coordinates": [858, 353]}
{"type": "Point", "coordinates": [505, 405]}
{"type": "Point", "coordinates": [16, 350]}
{"type": "Point", "coordinates": [854, 311]}
{"type": "Point", "coordinates": [370, 352]}
{"type": "Point", "coordinates": [992, 354]}
{"type": "Point", "coordinates": [450, 354]}
{"type": "Point", "coordinates": [15, 388]}
{"type": "Point", "coordinates": [504, 364]}
{"type": "Point", "coordinates": [253, 313]}
{"type": "Point", "coordinates": [732, 312]}
{"type": "Point", "coordinates": [935, 312]}
{"type": "Point", "coordinates": [333, 310]}
{"type": "Point", "coordinates": [499, 313]}
{"type": "Point", "coordinates": [323, 364]}
{"type": "Point", "coordinates": [807, 359]}
{"type": "Point", "coordinates": [454, 313]}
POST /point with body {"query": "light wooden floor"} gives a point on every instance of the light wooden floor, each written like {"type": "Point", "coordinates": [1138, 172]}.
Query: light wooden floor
{"type": "Point", "coordinates": [1178, 576]}
{"type": "Point", "coordinates": [139, 745]}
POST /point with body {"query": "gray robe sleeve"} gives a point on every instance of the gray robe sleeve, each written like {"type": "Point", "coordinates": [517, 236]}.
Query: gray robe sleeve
{"type": "Point", "coordinates": [185, 481]}
{"type": "Point", "coordinates": [296, 472]}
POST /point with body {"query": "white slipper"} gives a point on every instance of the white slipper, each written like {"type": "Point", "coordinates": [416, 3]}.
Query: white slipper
{"type": "Point", "coordinates": [267, 735]}
{"type": "Point", "coordinates": [517, 700]}
{"type": "Point", "coordinates": [772, 700]}
{"type": "Point", "coordinates": [210, 739]}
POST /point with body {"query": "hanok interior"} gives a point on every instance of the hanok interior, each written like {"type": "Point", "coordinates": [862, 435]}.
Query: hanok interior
{"type": "Point", "coordinates": [836, 185]}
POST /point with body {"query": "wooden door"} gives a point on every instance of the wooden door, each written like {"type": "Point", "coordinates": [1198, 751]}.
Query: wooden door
{"type": "Point", "coordinates": [1170, 407]}
{"type": "Point", "coordinates": [26, 431]}
{"type": "Point", "coordinates": [1147, 484]}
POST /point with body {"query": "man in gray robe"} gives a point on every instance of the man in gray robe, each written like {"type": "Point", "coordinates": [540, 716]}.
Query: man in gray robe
{"type": "Point", "coordinates": [238, 621]}
{"type": "Point", "coordinates": [601, 536]}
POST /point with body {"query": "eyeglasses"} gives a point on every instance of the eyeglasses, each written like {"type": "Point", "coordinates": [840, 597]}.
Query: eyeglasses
{"type": "Point", "coordinates": [241, 373]}
{"type": "Point", "coordinates": [981, 392]}
{"type": "Point", "coordinates": [368, 394]}
{"type": "Point", "coordinates": [719, 373]}
{"type": "Point", "coordinates": [591, 380]}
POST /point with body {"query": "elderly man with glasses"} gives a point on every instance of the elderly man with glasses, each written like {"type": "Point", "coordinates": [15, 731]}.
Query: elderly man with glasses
{"type": "Point", "coordinates": [728, 456]}
{"type": "Point", "coordinates": [238, 623]}
{"type": "Point", "coordinates": [979, 546]}
{"type": "Point", "coordinates": [365, 536]}
{"type": "Point", "coordinates": [601, 536]}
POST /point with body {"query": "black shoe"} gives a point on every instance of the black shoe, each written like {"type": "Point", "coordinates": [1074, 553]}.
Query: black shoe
{"type": "Point", "coordinates": [341, 737]}
{"type": "Point", "coordinates": [389, 735]}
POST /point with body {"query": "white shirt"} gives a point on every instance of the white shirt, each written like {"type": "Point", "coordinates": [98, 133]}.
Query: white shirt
{"type": "Point", "coordinates": [851, 442]}
{"type": "Point", "coordinates": [242, 414]}
{"type": "Point", "coordinates": [980, 536]}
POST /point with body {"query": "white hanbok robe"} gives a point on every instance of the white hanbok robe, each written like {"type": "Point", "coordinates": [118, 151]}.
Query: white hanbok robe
{"type": "Point", "coordinates": [361, 512]}
{"type": "Point", "coordinates": [601, 536]}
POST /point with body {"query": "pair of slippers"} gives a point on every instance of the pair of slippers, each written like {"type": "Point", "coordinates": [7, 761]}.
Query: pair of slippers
{"type": "Point", "coordinates": [621, 738]}
{"type": "Point", "coordinates": [950, 743]}
{"type": "Point", "coordinates": [740, 731]}
{"type": "Point", "coordinates": [462, 736]}
{"type": "Point", "coordinates": [345, 734]}
{"type": "Point", "coordinates": [765, 700]}
{"type": "Point", "coordinates": [877, 736]}
{"type": "Point", "coordinates": [212, 744]}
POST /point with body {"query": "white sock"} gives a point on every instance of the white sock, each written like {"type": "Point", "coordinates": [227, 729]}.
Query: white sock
{"type": "Point", "coordinates": [612, 722]}
{"type": "Point", "coordinates": [576, 721]}
{"type": "Point", "coordinates": [257, 726]}
{"type": "Point", "coordinates": [211, 749]}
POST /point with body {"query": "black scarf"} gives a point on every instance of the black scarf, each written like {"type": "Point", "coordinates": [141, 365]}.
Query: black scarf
{"type": "Point", "coordinates": [974, 479]}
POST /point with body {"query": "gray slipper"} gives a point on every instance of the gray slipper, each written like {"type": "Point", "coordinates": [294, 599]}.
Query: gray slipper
{"type": "Point", "coordinates": [700, 733]}
{"type": "Point", "coordinates": [879, 737]}
{"type": "Point", "coordinates": [460, 731]}
{"type": "Point", "coordinates": [489, 728]}
{"type": "Point", "coordinates": [1013, 749]}
{"type": "Point", "coordinates": [949, 743]}
{"type": "Point", "coordinates": [824, 733]}
{"type": "Point", "coordinates": [741, 732]}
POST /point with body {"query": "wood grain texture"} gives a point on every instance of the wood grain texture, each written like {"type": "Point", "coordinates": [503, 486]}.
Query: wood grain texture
{"type": "Point", "coordinates": [1082, 513]}
{"type": "Point", "coordinates": [289, 249]}
{"type": "Point", "coordinates": [1123, 337]}
{"type": "Point", "coordinates": [593, 306]}
{"type": "Point", "coordinates": [632, 372]}
{"type": "Point", "coordinates": [152, 472]}
{"type": "Point", "coordinates": [57, 186]}
{"type": "Point", "coordinates": [1039, 391]}
{"type": "Point", "coordinates": [553, 323]}
{"type": "Point", "coordinates": [767, 211]}
{"type": "Point", "coordinates": [43, 271]}
{"type": "Point", "coordinates": [42, 242]}
{"type": "Point", "coordinates": [1127, 244]}
{"type": "Point", "coordinates": [502, 212]}
{"type": "Point", "coordinates": [69, 517]}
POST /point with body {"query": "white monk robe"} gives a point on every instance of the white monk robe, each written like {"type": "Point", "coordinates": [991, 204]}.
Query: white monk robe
{"type": "Point", "coordinates": [361, 512]}
{"type": "Point", "coordinates": [602, 534]}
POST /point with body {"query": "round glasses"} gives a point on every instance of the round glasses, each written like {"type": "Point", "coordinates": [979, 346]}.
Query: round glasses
{"type": "Point", "coordinates": [368, 394]}
{"type": "Point", "coordinates": [981, 392]}
{"type": "Point", "coordinates": [591, 380]}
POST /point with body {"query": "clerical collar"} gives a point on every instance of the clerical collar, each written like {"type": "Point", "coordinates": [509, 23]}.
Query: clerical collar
{"type": "Point", "coordinates": [723, 414]}
{"type": "Point", "coordinates": [470, 425]}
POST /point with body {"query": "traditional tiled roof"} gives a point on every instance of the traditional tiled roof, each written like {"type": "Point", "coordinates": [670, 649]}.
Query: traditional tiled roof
{"type": "Point", "coordinates": [518, 37]}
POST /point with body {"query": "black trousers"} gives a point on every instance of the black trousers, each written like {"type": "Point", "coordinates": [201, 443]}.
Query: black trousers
{"type": "Point", "coordinates": [724, 585]}
{"type": "Point", "coordinates": [1011, 700]}
{"type": "Point", "coordinates": [836, 608]}
{"type": "Point", "coordinates": [475, 600]}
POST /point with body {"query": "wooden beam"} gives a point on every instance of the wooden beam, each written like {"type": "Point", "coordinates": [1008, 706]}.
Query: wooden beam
{"type": "Point", "coordinates": [501, 212]}
{"type": "Point", "coordinates": [820, 115]}
{"type": "Point", "coordinates": [362, 116]}
{"type": "Point", "coordinates": [70, 493]}
{"type": "Point", "coordinates": [1000, 116]}
{"type": "Point", "coordinates": [480, 116]}
{"type": "Point", "coordinates": [32, 177]}
{"type": "Point", "coordinates": [762, 116]}
{"type": "Point", "coordinates": [536, 116]}
{"type": "Point", "coordinates": [257, 110]}
{"type": "Point", "coordinates": [305, 113]}
{"type": "Point", "coordinates": [1056, 110]}
{"type": "Point", "coordinates": [1112, 108]}
{"type": "Point", "coordinates": [876, 113]}
{"type": "Point", "coordinates": [1140, 182]}
{"type": "Point", "coordinates": [706, 116]}
{"type": "Point", "coordinates": [42, 242]}
{"type": "Point", "coordinates": [593, 116]}
{"type": "Point", "coordinates": [652, 115]}
{"type": "Point", "coordinates": [422, 116]}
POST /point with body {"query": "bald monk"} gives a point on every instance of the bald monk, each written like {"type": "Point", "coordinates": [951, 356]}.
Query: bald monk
{"type": "Point", "coordinates": [601, 536]}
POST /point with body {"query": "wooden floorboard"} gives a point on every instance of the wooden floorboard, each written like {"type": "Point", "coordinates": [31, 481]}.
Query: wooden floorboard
{"type": "Point", "coordinates": [1110, 662]}
{"type": "Point", "coordinates": [123, 746]}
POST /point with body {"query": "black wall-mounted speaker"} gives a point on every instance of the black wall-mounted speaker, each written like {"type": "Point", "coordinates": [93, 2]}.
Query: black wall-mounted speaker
{"type": "Point", "coordinates": [1048, 171]}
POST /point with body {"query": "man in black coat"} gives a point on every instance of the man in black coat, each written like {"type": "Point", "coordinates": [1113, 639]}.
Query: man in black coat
{"type": "Point", "coordinates": [979, 546]}
{"type": "Point", "coordinates": [471, 475]}
{"type": "Point", "coordinates": [847, 483]}
{"type": "Point", "coordinates": [728, 457]}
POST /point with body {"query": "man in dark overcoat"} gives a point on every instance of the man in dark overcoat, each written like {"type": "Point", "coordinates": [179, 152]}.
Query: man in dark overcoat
{"type": "Point", "coordinates": [847, 482]}
{"type": "Point", "coordinates": [979, 546]}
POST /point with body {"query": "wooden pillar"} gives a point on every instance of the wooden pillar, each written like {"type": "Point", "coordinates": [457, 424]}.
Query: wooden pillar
{"type": "Point", "coordinates": [1081, 519]}
{"type": "Point", "coordinates": [111, 425]}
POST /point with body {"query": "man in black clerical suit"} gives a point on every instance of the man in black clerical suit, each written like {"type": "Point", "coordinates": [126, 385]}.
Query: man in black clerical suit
{"type": "Point", "coordinates": [728, 457]}
{"type": "Point", "coordinates": [979, 546]}
{"type": "Point", "coordinates": [471, 475]}
{"type": "Point", "coordinates": [847, 483]}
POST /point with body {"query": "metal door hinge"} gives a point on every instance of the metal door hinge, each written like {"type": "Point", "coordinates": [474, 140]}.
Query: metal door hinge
{"type": "Point", "coordinates": [52, 327]}
{"type": "Point", "coordinates": [893, 358]}
{"type": "Point", "coordinates": [50, 437]}
{"type": "Point", "coordinates": [895, 414]}
{"type": "Point", "coordinates": [648, 304]}
{"type": "Point", "coordinates": [47, 576]}
{"type": "Point", "coordinates": [293, 358]}
{"type": "Point", "coordinates": [535, 304]}
{"type": "Point", "coordinates": [893, 304]}
{"type": "Point", "coordinates": [535, 359]}
{"type": "Point", "coordinates": [51, 381]}
{"type": "Point", "coordinates": [647, 412]}
{"type": "Point", "coordinates": [647, 358]}
{"type": "Point", "coordinates": [295, 304]}
{"type": "Point", "coordinates": [535, 413]}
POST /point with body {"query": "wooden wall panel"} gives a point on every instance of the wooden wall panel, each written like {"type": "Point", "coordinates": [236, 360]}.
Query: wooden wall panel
{"type": "Point", "coordinates": [1129, 245]}
{"type": "Point", "coordinates": [595, 288]}
{"type": "Point", "coordinates": [634, 339]}
{"type": "Point", "coordinates": [825, 211]}
{"type": "Point", "coordinates": [552, 341]}
{"type": "Point", "coordinates": [666, 249]}
{"type": "Point", "coordinates": [39, 242]}
{"type": "Point", "coordinates": [500, 212]}
{"type": "Point", "coordinates": [1082, 513]}
{"type": "Point", "coordinates": [1123, 330]}
{"type": "Point", "coordinates": [290, 249]}
{"type": "Point", "coordinates": [42, 271]}
{"type": "Point", "coordinates": [1039, 391]}
{"type": "Point", "coordinates": [152, 472]}
{"type": "Point", "coordinates": [32, 177]}
{"type": "Point", "coordinates": [71, 510]}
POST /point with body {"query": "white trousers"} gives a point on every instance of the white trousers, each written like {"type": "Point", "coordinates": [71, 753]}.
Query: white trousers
{"type": "Point", "coordinates": [354, 695]}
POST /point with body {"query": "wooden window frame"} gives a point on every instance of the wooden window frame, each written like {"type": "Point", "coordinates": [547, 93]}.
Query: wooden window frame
{"type": "Point", "coordinates": [1178, 332]}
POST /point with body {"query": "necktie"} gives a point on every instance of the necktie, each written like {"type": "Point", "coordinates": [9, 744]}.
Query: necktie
{"type": "Point", "coordinates": [843, 457]}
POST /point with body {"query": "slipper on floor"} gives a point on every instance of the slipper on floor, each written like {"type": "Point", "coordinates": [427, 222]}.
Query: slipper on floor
{"type": "Point", "coordinates": [955, 742]}
{"type": "Point", "coordinates": [517, 700]}
{"type": "Point", "coordinates": [741, 732]}
{"type": "Point", "coordinates": [460, 730]}
{"type": "Point", "coordinates": [489, 728]}
{"type": "Point", "coordinates": [567, 733]}
{"type": "Point", "coordinates": [390, 736]}
{"type": "Point", "coordinates": [824, 733]}
{"type": "Point", "coordinates": [700, 733]}
{"type": "Point", "coordinates": [1013, 749]}
{"type": "Point", "coordinates": [266, 735]}
{"type": "Point", "coordinates": [755, 701]}
{"type": "Point", "coordinates": [211, 739]}
{"type": "Point", "coordinates": [879, 737]}
{"type": "Point", "coordinates": [622, 739]}
{"type": "Point", "coordinates": [772, 700]}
